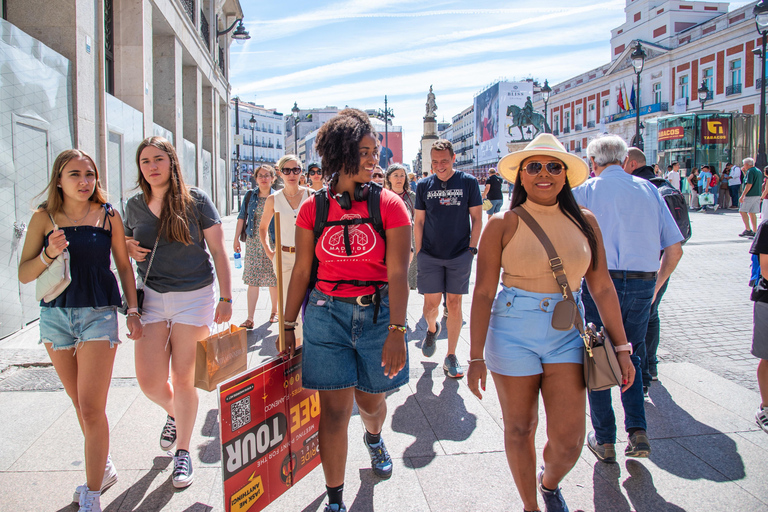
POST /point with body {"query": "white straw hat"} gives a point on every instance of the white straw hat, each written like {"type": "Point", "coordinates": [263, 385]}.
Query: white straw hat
{"type": "Point", "coordinates": [545, 144]}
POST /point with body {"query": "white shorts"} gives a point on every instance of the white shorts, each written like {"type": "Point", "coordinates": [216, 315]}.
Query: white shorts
{"type": "Point", "coordinates": [190, 308]}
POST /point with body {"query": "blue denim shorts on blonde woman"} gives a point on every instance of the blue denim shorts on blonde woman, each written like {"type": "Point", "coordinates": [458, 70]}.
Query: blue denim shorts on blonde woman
{"type": "Point", "coordinates": [66, 328]}
{"type": "Point", "coordinates": [520, 334]}
{"type": "Point", "coordinates": [342, 346]}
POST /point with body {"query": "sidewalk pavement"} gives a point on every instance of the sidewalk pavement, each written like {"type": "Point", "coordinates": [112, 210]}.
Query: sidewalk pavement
{"type": "Point", "coordinates": [447, 446]}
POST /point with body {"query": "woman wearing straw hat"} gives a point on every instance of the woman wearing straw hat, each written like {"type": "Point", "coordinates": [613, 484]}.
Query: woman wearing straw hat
{"type": "Point", "coordinates": [512, 333]}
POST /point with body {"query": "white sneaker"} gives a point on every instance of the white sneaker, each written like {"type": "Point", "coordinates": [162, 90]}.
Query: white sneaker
{"type": "Point", "coordinates": [168, 437]}
{"type": "Point", "coordinates": [110, 478]}
{"type": "Point", "coordinates": [761, 418]}
{"type": "Point", "coordinates": [182, 469]}
{"type": "Point", "coordinates": [90, 501]}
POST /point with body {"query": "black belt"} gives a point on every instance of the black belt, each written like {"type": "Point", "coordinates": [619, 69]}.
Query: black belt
{"type": "Point", "coordinates": [620, 274]}
{"type": "Point", "coordinates": [365, 300]}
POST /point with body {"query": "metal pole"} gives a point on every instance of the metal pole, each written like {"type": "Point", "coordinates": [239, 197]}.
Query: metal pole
{"type": "Point", "coordinates": [296, 135]}
{"type": "Point", "coordinates": [637, 114]}
{"type": "Point", "coordinates": [237, 146]}
{"type": "Point", "coordinates": [386, 129]}
{"type": "Point", "coordinates": [762, 160]}
{"type": "Point", "coordinates": [546, 118]}
{"type": "Point", "coordinates": [253, 145]}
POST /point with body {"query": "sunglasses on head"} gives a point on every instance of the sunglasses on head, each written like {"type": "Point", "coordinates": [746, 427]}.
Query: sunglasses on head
{"type": "Point", "coordinates": [289, 170]}
{"type": "Point", "coordinates": [553, 168]}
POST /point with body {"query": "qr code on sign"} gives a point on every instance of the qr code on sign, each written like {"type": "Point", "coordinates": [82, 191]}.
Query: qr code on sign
{"type": "Point", "coordinates": [240, 413]}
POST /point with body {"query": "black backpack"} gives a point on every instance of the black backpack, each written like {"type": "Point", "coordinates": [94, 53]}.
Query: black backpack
{"type": "Point", "coordinates": [676, 204]}
{"type": "Point", "coordinates": [322, 206]}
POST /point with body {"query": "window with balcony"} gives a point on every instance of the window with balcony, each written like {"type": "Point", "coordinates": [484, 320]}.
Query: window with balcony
{"type": "Point", "coordinates": [708, 75]}
{"type": "Point", "coordinates": [656, 92]}
{"type": "Point", "coordinates": [735, 70]}
{"type": "Point", "coordinates": [684, 87]}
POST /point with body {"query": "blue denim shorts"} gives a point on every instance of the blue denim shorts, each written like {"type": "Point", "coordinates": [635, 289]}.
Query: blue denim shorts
{"type": "Point", "coordinates": [342, 346]}
{"type": "Point", "coordinates": [66, 328]}
{"type": "Point", "coordinates": [520, 335]}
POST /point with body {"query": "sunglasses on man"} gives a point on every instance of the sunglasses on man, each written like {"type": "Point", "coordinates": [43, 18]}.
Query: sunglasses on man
{"type": "Point", "coordinates": [290, 170]}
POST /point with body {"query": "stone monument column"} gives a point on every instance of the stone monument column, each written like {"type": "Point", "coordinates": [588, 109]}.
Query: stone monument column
{"type": "Point", "coordinates": [430, 132]}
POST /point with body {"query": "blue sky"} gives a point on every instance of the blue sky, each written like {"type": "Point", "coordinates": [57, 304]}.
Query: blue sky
{"type": "Point", "coordinates": [353, 52]}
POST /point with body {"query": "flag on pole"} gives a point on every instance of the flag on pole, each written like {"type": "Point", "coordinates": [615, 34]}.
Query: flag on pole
{"type": "Point", "coordinates": [632, 98]}
{"type": "Point", "coordinates": [625, 96]}
{"type": "Point", "coordinates": [620, 100]}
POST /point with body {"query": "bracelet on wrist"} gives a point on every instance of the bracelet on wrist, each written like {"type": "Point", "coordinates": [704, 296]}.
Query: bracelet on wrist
{"type": "Point", "coordinates": [289, 328]}
{"type": "Point", "coordinates": [478, 360]}
{"type": "Point", "coordinates": [287, 323]}
{"type": "Point", "coordinates": [42, 258]}
{"type": "Point", "coordinates": [225, 299]}
{"type": "Point", "coordinates": [132, 310]}
{"type": "Point", "coordinates": [397, 327]}
{"type": "Point", "coordinates": [45, 251]}
{"type": "Point", "coordinates": [627, 347]}
{"type": "Point", "coordinates": [134, 313]}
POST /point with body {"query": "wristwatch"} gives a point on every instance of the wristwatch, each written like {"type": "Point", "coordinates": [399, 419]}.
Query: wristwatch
{"type": "Point", "coordinates": [473, 250]}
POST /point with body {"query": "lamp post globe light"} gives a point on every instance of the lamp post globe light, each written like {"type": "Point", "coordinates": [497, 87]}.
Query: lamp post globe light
{"type": "Point", "coordinates": [638, 61]}
{"type": "Point", "coordinates": [761, 22]}
{"type": "Point", "coordinates": [703, 93]}
{"type": "Point", "coordinates": [241, 35]}
{"type": "Point", "coordinates": [546, 91]}
{"type": "Point", "coordinates": [295, 111]}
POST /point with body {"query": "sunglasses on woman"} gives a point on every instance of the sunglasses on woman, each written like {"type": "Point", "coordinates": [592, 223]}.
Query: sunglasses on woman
{"type": "Point", "coordinates": [377, 175]}
{"type": "Point", "coordinates": [312, 173]}
{"type": "Point", "coordinates": [289, 170]}
{"type": "Point", "coordinates": [553, 168]}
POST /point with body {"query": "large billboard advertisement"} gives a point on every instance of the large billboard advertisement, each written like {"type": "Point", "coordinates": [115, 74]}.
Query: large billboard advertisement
{"type": "Point", "coordinates": [395, 145]}
{"type": "Point", "coordinates": [499, 112]}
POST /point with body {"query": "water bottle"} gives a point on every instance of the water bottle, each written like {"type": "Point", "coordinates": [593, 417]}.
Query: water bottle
{"type": "Point", "coordinates": [238, 260]}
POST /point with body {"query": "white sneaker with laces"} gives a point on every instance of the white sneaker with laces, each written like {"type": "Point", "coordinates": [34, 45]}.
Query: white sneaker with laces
{"type": "Point", "coordinates": [90, 501]}
{"type": "Point", "coordinates": [761, 418]}
{"type": "Point", "coordinates": [110, 478]}
{"type": "Point", "coordinates": [168, 437]}
{"type": "Point", "coordinates": [182, 469]}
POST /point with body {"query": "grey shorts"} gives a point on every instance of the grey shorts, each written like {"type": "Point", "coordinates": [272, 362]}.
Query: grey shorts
{"type": "Point", "coordinates": [760, 331]}
{"type": "Point", "coordinates": [751, 204]}
{"type": "Point", "coordinates": [436, 275]}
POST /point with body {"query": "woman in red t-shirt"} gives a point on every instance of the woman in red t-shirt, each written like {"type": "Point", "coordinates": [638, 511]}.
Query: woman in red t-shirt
{"type": "Point", "coordinates": [354, 347]}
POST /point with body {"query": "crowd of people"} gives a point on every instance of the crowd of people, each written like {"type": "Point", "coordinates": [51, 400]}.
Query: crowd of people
{"type": "Point", "coordinates": [354, 240]}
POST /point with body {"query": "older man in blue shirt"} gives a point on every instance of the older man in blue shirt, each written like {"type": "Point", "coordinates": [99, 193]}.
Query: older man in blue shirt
{"type": "Point", "coordinates": [636, 225]}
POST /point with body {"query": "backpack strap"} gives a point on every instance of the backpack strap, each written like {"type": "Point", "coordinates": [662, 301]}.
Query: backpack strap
{"type": "Point", "coordinates": [374, 209]}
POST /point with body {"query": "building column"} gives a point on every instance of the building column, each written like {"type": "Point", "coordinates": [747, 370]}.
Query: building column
{"type": "Point", "coordinates": [133, 57]}
{"type": "Point", "coordinates": [193, 120]}
{"type": "Point", "coordinates": [167, 91]}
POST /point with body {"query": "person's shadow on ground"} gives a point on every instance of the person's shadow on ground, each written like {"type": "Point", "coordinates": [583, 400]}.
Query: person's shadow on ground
{"type": "Point", "coordinates": [260, 338]}
{"type": "Point", "coordinates": [432, 418]}
{"type": "Point", "coordinates": [667, 419]}
{"type": "Point", "coordinates": [639, 487]}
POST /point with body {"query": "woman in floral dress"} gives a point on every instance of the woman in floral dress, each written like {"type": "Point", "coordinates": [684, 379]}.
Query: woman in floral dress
{"type": "Point", "coordinates": [257, 271]}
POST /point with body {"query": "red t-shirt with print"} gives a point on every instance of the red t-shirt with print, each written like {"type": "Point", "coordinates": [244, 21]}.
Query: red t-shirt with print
{"type": "Point", "coordinates": [368, 248]}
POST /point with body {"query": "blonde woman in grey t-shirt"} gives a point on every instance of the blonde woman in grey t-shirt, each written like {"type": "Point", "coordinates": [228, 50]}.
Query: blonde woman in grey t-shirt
{"type": "Point", "coordinates": [168, 228]}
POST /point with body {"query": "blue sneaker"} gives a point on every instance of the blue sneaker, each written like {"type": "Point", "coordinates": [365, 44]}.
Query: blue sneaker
{"type": "Point", "coordinates": [553, 500]}
{"type": "Point", "coordinates": [452, 367]}
{"type": "Point", "coordinates": [381, 462]}
{"type": "Point", "coordinates": [335, 508]}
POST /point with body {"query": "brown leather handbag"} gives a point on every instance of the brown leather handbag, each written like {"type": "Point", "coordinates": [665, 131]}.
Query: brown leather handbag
{"type": "Point", "coordinates": [601, 365]}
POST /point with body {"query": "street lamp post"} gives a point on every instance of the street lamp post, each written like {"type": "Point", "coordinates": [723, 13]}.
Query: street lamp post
{"type": "Point", "coordinates": [386, 114]}
{"type": "Point", "coordinates": [761, 21]}
{"type": "Point", "coordinates": [703, 93]}
{"type": "Point", "coordinates": [638, 61]}
{"type": "Point", "coordinates": [237, 149]}
{"type": "Point", "coordinates": [546, 91]}
{"type": "Point", "coordinates": [295, 111]}
{"type": "Point", "coordinates": [252, 122]}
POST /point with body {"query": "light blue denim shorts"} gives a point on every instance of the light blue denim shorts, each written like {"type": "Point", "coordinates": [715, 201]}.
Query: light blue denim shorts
{"type": "Point", "coordinates": [520, 335]}
{"type": "Point", "coordinates": [66, 328]}
{"type": "Point", "coordinates": [342, 346]}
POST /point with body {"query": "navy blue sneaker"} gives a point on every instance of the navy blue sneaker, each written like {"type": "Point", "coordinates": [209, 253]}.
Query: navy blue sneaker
{"type": "Point", "coordinates": [553, 500]}
{"type": "Point", "coordinates": [381, 462]}
{"type": "Point", "coordinates": [428, 346]}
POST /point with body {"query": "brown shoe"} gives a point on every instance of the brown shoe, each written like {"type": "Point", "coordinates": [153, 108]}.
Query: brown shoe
{"type": "Point", "coordinates": [248, 324]}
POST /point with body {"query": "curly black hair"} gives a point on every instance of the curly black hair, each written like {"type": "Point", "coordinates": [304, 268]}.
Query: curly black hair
{"type": "Point", "coordinates": [339, 139]}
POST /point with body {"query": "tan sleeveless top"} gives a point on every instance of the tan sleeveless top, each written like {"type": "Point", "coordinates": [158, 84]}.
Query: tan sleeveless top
{"type": "Point", "coordinates": [525, 263]}
{"type": "Point", "coordinates": [288, 217]}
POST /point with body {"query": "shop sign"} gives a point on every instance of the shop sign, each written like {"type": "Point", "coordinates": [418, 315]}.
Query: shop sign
{"type": "Point", "coordinates": [674, 133]}
{"type": "Point", "coordinates": [714, 130]}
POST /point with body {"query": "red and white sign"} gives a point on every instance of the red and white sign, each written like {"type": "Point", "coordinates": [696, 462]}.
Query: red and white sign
{"type": "Point", "coordinates": [268, 428]}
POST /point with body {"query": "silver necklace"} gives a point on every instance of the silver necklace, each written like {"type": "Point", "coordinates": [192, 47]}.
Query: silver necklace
{"type": "Point", "coordinates": [294, 195]}
{"type": "Point", "coordinates": [76, 222]}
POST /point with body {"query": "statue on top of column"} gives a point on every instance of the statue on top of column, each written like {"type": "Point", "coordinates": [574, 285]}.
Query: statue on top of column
{"type": "Point", "coordinates": [431, 105]}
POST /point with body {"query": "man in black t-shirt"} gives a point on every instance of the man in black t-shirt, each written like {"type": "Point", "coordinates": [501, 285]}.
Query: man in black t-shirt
{"type": "Point", "coordinates": [760, 325]}
{"type": "Point", "coordinates": [448, 218]}
{"type": "Point", "coordinates": [493, 192]}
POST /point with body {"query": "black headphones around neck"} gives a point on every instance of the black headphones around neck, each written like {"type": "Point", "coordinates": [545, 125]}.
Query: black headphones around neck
{"type": "Point", "coordinates": [360, 194]}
